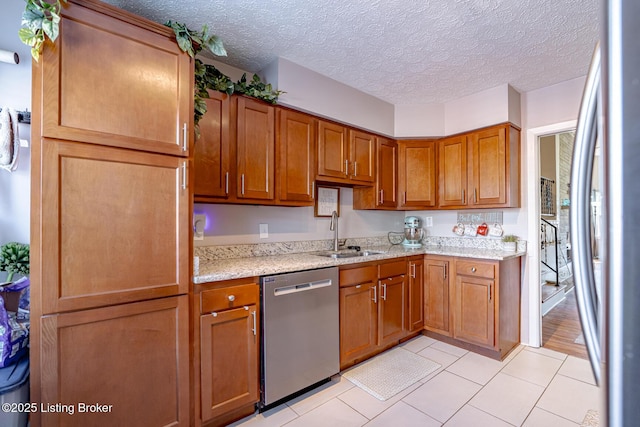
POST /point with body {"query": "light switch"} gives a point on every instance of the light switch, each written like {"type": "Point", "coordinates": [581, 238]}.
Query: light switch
{"type": "Point", "coordinates": [264, 231]}
{"type": "Point", "coordinates": [428, 221]}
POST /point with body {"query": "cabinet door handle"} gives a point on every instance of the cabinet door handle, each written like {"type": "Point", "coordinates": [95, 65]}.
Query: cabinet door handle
{"type": "Point", "coordinates": [184, 137]}
{"type": "Point", "coordinates": [254, 329]}
{"type": "Point", "coordinates": [475, 195]}
{"type": "Point", "coordinates": [404, 198]}
{"type": "Point", "coordinates": [413, 271]}
{"type": "Point", "coordinates": [464, 198]}
{"type": "Point", "coordinates": [355, 169]}
{"type": "Point", "coordinates": [184, 176]}
{"type": "Point", "coordinates": [445, 270]}
{"type": "Point", "coordinates": [231, 298]}
{"type": "Point", "coordinates": [346, 167]}
{"type": "Point", "coordinates": [489, 290]}
{"type": "Point", "coordinates": [381, 196]}
{"type": "Point", "coordinates": [313, 190]}
{"type": "Point", "coordinates": [473, 269]}
{"type": "Point", "coordinates": [226, 183]}
{"type": "Point", "coordinates": [242, 184]}
{"type": "Point", "coordinates": [375, 294]}
{"type": "Point", "coordinates": [384, 291]}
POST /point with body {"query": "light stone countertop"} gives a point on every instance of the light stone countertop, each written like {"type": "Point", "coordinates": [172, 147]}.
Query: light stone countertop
{"type": "Point", "coordinates": [235, 268]}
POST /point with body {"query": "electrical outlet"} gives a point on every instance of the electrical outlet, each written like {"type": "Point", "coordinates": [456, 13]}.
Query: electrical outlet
{"type": "Point", "coordinates": [199, 223]}
{"type": "Point", "coordinates": [264, 231]}
{"type": "Point", "coordinates": [428, 221]}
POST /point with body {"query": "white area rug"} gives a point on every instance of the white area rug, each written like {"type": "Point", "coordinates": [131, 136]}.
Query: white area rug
{"type": "Point", "coordinates": [390, 372]}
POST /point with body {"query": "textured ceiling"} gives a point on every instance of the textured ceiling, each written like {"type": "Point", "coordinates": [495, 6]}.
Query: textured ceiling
{"type": "Point", "coordinates": [404, 52]}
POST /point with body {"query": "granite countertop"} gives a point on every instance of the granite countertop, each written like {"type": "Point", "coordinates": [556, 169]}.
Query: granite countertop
{"type": "Point", "coordinates": [235, 268]}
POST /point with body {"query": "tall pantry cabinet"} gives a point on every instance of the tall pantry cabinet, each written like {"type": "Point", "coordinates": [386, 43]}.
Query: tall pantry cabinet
{"type": "Point", "coordinates": [110, 263]}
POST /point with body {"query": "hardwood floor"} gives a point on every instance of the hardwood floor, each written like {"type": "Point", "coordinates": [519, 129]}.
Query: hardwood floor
{"type": "Point", "coordinates": [561, 327]}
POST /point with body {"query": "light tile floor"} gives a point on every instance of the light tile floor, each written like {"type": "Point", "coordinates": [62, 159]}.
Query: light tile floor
{"type": "Point", "coordinates": [532, 387]}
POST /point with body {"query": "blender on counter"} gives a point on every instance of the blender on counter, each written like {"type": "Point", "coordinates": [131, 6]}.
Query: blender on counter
{"type": "Point", "coordinates": [413, 232]}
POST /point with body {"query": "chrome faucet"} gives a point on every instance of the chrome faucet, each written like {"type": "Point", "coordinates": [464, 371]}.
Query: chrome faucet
{"type": "Point", "coordinates": [334, 227]}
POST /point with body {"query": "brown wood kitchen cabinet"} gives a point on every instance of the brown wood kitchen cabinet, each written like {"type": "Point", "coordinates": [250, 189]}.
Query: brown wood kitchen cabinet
{"type": "Point", "coordinates": [110, 220]}
{"type": "Point", "coordinates": [480, 169]}
{"type": "Point", "coordinates": [415, 310]}
{"type": "Point", "coordinates": [417, 178]}
{"type": "Point", "coordinates": [214, 178]}
{"type": "Point", "coordinates": [372, 309]}
{"type": "Point", "coordinates": [484, 306]}
{"type": "Point", "coordinates": [143, 100]}
{"type": "Point", "coordinates": [255, 150]}
{"type": "Point", "coordinates": [358, 313]}
{"type": "Point", "coordinates": [436, 294]}
{"type": "Point", "coordinates": [384, 194]}
{"type": "Point", "coordinates": [295, 157]}
{"type": "Point", "coordinates": [345, 156]}
{"type": "Point", "coordinates": [227, 344]}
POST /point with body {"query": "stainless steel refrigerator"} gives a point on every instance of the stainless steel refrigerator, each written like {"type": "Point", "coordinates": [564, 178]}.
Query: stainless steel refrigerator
{"type": "Point", "coordinates": [608, 141]}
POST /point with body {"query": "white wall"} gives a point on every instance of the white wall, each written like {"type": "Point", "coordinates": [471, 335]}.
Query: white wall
{"type": "Point", "coordinates": [310, 91]}
{"type": "Point", "coordinates": [15, 92]}
{"type": "Point", "coordinates": [414, 120]}
{"type": "Point", "coordinates": [239, 224]}
{"type": "Point", "coordinates": [489, 107]}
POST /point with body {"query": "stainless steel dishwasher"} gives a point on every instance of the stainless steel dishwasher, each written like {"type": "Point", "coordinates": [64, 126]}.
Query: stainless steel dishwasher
{"type": "Point", "coordinates": [300, 324]}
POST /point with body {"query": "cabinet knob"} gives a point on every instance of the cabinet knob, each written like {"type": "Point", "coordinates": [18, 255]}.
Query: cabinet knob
{"type": "Point", "coordinates": [232, 298]}
{"type": "Point", "coordinates": [473, 269]}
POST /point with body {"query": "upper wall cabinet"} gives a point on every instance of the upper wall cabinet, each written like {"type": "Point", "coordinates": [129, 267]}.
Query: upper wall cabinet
{"type": "Point", "coordinates": [212, 151]}
{"type": "Point", "coordinates": [255, 150]}
{"type": "Point", "coordinates": [140, 79]}
{"type": "Point", "coordinates": [384, 194]}
{"type": "Point", "coordinates": [345, 156]}
{"type": "Point", "coordinates": [417, 174]}
{"type": "Point", "coordinates": [295, 157]}
{"type": "Point", "coordinates": [480, 169]}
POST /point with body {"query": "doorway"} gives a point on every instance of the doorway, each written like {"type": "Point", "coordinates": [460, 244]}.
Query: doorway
{"type": "Point", "coordinates": [560, 323]}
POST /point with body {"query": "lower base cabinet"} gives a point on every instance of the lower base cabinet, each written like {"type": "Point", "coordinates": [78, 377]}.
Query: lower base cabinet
{"type": "Point", "coordinates": [478, 308]}
{"type": "Point", "coordinates": [229, 350]}
{"type": "Point", "coordinates": [373, 309]}
{"type": "Point", "coordinates": [141, 379]}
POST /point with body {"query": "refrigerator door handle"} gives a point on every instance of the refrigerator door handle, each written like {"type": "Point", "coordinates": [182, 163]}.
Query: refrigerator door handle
{"type": "Point", "coordinates": [582, 167]}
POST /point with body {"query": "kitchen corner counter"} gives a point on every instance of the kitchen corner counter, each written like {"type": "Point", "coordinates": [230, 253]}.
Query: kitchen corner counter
{"type": "Point", "coordinates": [235, 268]}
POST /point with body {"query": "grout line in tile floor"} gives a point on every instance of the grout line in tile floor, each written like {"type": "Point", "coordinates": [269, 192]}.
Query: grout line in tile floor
{"type": "Point", "coordinates": [383, 412]}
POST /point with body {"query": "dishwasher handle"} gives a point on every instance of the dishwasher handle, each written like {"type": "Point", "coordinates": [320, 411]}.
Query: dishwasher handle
{"type": "Point", "coordinates": [301, 287]}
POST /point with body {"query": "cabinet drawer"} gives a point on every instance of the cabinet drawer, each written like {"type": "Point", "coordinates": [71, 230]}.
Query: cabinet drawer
{"type": "Point", "coordinates": [356, 276]}
{"type": "Point", "coordinates": [229, 297]}
{"type": "Point", "coordinates": [391, 269]}
{"type": "Point", "coordinates": [477, 269]}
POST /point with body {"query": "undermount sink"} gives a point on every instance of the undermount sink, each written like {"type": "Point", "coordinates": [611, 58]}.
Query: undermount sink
{"type": "Point", "coordinates": [346, 254]}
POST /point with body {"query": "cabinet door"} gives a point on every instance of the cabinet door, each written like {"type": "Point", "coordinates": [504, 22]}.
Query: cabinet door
{"type": "Point", "coordinates": [358, 321]}
{"type": "Point", "coordinates": [387, 160]}
{"type": "Point", "coordinates": [113, 226]}
{"type": "Point", "coordinates": [333, 150]}
{"type": "Point", "coordinates": [417, 174]}
{"type": "Point", "coordinates": [141, 97]}
{"type": "Point", "coordinates": [436, 295]}
{"type": "Point", "coordinates": [452, 172]}
{"type": "Point", "coordinates": [474, 310]}
{"type": "Point", "coordinates": [362, 156]}
{"type": "Point", "coordinates": [391, 313]}
{"type": "Point", "coordinates": [255, 150]}
{"type": "Point", "coordinates": [132, 357]}
{"type": "Point", "coordinates": [211, 151]}
{"type": "Point", "coordinates": [229, 348]}
{"type": "Point", "coordinates": [416, 295]}
{"type": "Point", "coordinates": [488, 167]}
{"type": "Point", "coordinates": [296, 156]}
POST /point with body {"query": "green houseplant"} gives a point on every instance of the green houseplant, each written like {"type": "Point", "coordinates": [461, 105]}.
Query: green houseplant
{"type": "Point", "coordinates": [40, 18]}
{"type": "Point", "coordinates": [14, 258]}
{"type": "Point", "coordinates": [509, 242]}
